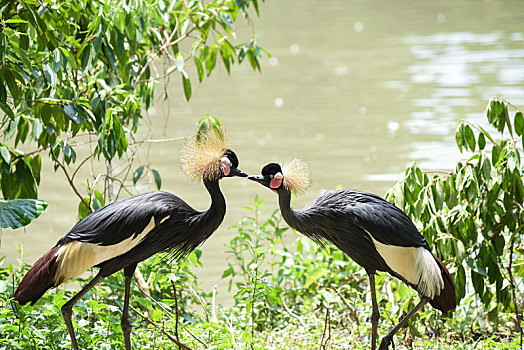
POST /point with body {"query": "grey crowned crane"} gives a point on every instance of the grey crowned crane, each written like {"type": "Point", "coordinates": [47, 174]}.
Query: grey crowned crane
{"type": "Point", "coordinates": [121, 234]}
{"type": "Point", "coordinates": [373, 232]}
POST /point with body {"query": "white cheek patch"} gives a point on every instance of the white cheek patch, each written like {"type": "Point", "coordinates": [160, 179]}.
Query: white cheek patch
{"type": "Point", "coordinates": [76, 257]}
{"type": "Point", "coordinates": [415, 264]}
{"type": "Point", "coordinates": [226, 165]}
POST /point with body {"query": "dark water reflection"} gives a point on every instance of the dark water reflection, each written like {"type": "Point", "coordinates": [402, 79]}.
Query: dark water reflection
{"type": "Point", "coordinates": [358, 88]}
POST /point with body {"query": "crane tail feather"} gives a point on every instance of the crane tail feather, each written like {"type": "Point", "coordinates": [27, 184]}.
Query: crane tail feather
{"type": "Point", "coordinates": [446, 300]}
{"type": "Point", "coordinates": [38, 279]}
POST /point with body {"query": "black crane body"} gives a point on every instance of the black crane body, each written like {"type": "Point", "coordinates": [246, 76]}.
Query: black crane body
{"type": "Point", "coordinates": [374, 233]}
{"type": "Point", "coordinates": [121, 234]}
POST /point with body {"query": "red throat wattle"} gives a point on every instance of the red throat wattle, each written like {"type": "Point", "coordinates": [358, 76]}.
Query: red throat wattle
{"type": "Point", "coordinates": [275, 183]}
{"type": "Point", "coordinates": [226, 168]}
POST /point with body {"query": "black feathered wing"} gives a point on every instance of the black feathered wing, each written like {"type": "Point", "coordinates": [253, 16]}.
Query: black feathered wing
{"type": "Point", "coordinates": [385, 222]}
{"type": "Point", "coordinates": [353, 220]}
{"type": "Point", "coordinates": [125, 218]}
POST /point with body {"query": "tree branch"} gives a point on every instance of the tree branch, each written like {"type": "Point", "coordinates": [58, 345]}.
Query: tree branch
{"type": "Point", "coordinates": [70, 181]}
{"type": "Point", "coordinates": [513, 287]}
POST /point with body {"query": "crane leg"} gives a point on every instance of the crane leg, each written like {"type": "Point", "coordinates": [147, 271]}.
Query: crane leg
{"type": "Point", "coordinates": [375, 315]}
{"type": "Point", "coordinates": [388, 338]}
{"type": "Point", "coordinates": [125, 323]}
{"type": "Point", "coordinates": [67, 309]}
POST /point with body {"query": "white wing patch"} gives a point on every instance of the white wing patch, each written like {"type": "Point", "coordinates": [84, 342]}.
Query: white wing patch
{"type": "Point", "coordinates": [76, 257]}
{"type": "Point", "coordinates": [164, 219]}
{"type": "Point", "coordinates": [415, 264]}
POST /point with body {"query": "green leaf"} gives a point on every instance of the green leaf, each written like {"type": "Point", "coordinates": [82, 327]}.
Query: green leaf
{"type": "Point", "coordinates": [470, 138]}
{"type": "Point", "coordinates": [10, 80]}
{"type": "Point", "coordinates": [3, 94]}
{"type": "Point", "coordinates": [194, 259]}
{"type": "Point", "coordinates": [138, 174]}
{"type": "Point", "coordinates": [314, 276]}
{"type": "Point", "coordinates": [49, 74]}
{"type": "Point", "coordinates": [86, 56]}
{"type": "Point", "coordinates": [459, 136]}
{"type": "Point", "coordinates": [3, 46]}
{"type": "Point", "coordinates": [512, 159]}
{"type": "Point", "coordinates": [57, 60]}
{"type": "Point", "coordinates": [211, 61]}
{"type": "Point", "coordinates": [498, 244]}
{"type": "Point", "coordinates": [478, 283]}
{"type": "Point", "coordinates": [482, 141]}
{"type": "Point", "coordinates": [187, 87]}
{"type": "Point", "coordinates": [519, 123]}
{"type": "Point", "coordinates": [200, 68]}
{"type": "Point", "coordinates": [158, 179]}
{"type": "Point", "coordinates": [495, 155]}
{"type": "Point", "coordinates": [84, 210]}
{"type": "Point", "coordinates": [15, 21]}
{"type": "Point", "coordinates": [5, 154]}
{"type": "Point", "coordinates": [156, 315]}
{"type": "Point", "coordinates": [16, 213]}
{"type": "Point", "coordinates": [475, 266]}
{"type": "Point", "coordinates": [255, 5]}
{"type": "Point", "coordinates": [72, 113]}
{"type": "Point", "coordinates": [69, 56]}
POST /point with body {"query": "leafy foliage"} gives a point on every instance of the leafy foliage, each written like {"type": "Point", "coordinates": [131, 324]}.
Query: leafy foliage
{"type": "Point", "coordinates": [96, 316]}
{"type": "Point", "coordinates": [16, 213]}
{"type": "Point", "coordinates": [473, 215]}
{"type": "Point", "coordinates": [255, 294]}
{"type": "Point", "coordinates": [74, 68]}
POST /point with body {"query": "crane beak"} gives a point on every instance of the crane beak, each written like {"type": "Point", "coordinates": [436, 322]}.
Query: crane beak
{"type": "Point", "coordinates": [261, 179]}
{"type": "Point", "coordinates": [236, 172]}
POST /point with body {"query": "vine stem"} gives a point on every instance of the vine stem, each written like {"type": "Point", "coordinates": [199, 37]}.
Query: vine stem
{"type": "Point", "coordinates": [506, 102]}
{"type": "Point", "coordinates": [169, 43]}
{"type": "Point", "coordinates": [109, 179]}
{"type": "Point", "coordinates": [291, 313]}
{"type": "Point", "coordinates": [255, 279]}
{"type": "Point", "coordinates": [512, 281]}
{"type": "Point", "coordinates": [160, 49]}
{"type": "Point", "coordinates": [70, 180]}
{"type": "Point", "coordinates": [327, 327]}
{"type": "Point", "coordinates": [151, 322]}
{"type": "Point", "coordinates": [482, 132]}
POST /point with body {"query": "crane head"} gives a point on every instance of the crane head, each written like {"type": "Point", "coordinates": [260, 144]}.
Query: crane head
{"type": "Point", "coordinates": [292, 176]}
{"type": "Point", "coordinates": [229, 163]}
{"type": "Point", "coordinates": [271, 176]}
{"type": "Point", "coordinates": [209, 159]}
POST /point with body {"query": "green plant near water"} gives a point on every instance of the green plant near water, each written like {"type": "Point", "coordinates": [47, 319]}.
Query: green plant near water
{"type": "Point", "coordinates": [473, 216]}
{"type": "Point", "coordinates": [173, 296]}
{"type": "Point", "coordinates": [249, 251]}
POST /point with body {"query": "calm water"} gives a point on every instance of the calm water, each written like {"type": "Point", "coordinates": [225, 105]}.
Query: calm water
{"type": "Point", "coordinates": [358, 89]}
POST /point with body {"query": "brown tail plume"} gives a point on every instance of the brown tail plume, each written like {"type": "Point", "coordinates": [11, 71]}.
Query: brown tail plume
{"type": "Point", "coordinates": [38, 279]}
{"type": "Point", "coordinates": [447, 299]}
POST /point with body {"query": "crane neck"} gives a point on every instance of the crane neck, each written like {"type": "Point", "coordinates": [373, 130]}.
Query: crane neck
{"type": "Point", "coordinates": [292, 217]}
{"type": "Point", "coordinates": [216, 212]}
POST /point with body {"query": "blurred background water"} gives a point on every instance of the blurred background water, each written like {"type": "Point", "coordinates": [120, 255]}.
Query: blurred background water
{"type": "Point", "coordinates": [359, 89]}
